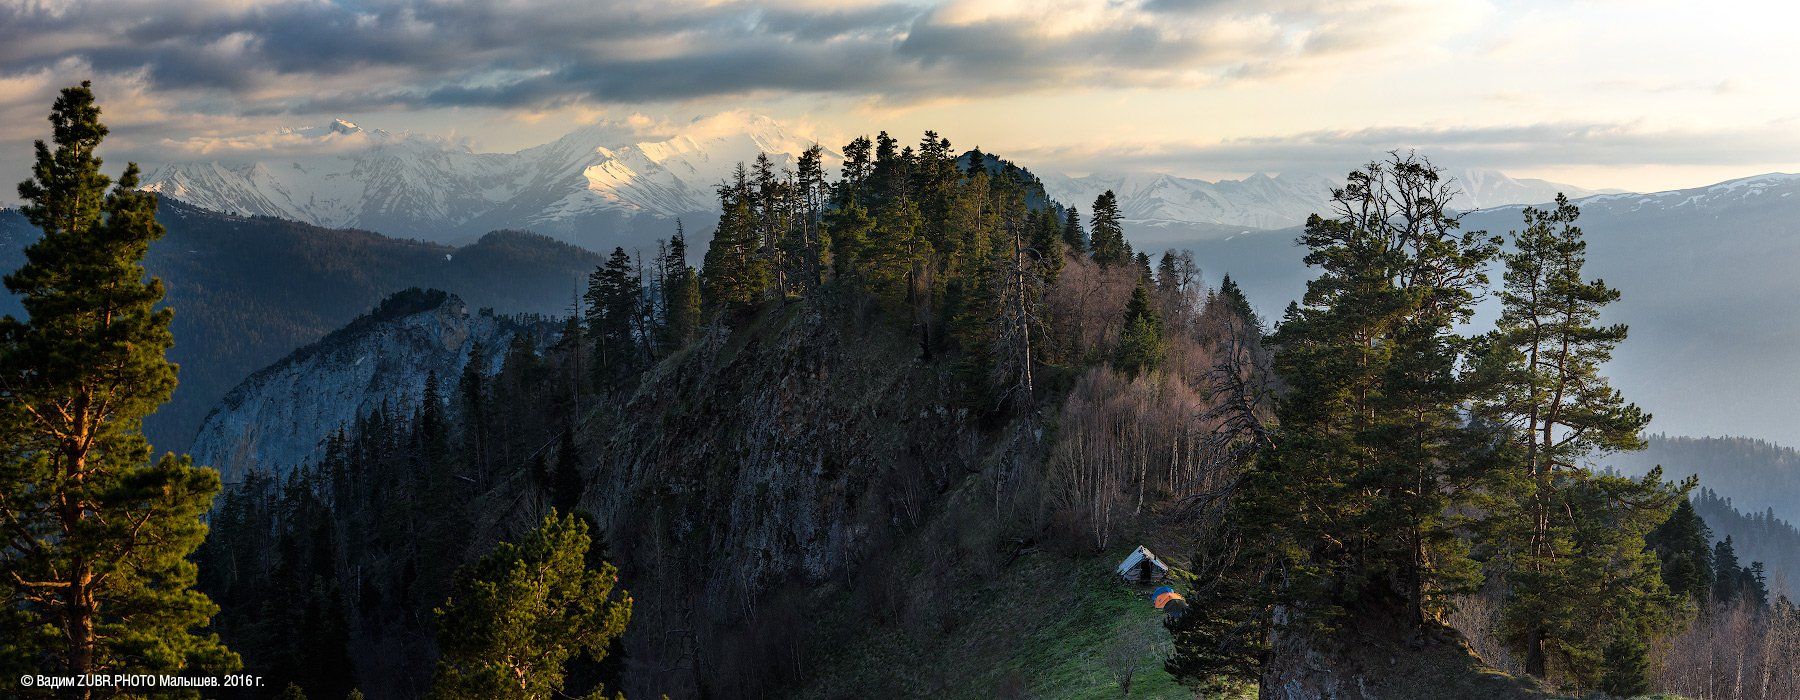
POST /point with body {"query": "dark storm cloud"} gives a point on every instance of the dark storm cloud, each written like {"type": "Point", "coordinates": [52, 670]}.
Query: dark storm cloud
{"type": "Point", "coordinates": [284, 56]}
{"type": "Point", "coordinates": [432, 53]}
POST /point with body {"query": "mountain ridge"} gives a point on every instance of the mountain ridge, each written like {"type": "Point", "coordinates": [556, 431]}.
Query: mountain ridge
{"type": "Point", "coordinates": [249, 290]}
{"type": "Point", "coordinates": [598, 185]}
{"type": "Point", "coordinates": [1263, 201]}
{"type": "Point", "coordinates": [279, 417]}
{"type": "Point", "coordinates": [606, 184]}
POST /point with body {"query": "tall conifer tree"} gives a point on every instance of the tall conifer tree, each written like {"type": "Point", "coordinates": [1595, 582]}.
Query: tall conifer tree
{"type": "Point", "coordinates": [1354, 513]}
{"type": "Point", "coordinates": [1140, 343]}
{"type": "Point", "coordinates": [96, 565]}
{"type": "Point", "coordinates": [1544, 359]}
{"type": "Point", "coordinates": [1106, 231]}
{"type": "Point", "coordinates": [1072, 233]}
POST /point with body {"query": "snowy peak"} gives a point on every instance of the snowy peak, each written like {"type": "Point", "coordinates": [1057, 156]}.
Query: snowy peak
{"type": "Point", "coordinates": [1774, 191]}
{"type": "Point", "coordinates": [614, 183]}
{"type": "Point", "coordinates": [1259, 201]}
{"type": "Point", "coordinates": [338, 131]}
{"type": "Point", "coordinates": [594, 178]}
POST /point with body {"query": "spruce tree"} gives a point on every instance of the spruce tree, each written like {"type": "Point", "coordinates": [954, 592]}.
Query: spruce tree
{"type": "Point", "coordinates": [1625, 669]}
{"type": "Point", "coordinates": [1235, 300]}
{"type": "Point", "coordinates": [1601, 580]}
{"type": "Point", "coordinates": [1728, 576]}
{"type": "Point", "coordinates": [517, 616]}
{"type": "Point", "coordinates": [613, 298]}
{"type": "Point", "coordinates": [680, 293]}
{"type": "Point", "coordinates": [1072, 233]}
{"type": "Point", "coordinates": [1107, 233]}
{"type": "Point", "coordinates": [850, 228]}
{"type": "Point", "coordinates": [1046, 243]}
{"type": "Point", "coordinates": [734, 275]}
{"type": "Point", "coordinates": [99, 533]}
{"type": "Point", "coordinates": [1680, 544]}
{"type": "Point", "coordinates": [471, 397]}
{"type": "Point", "coordinates": [1140, 343]}
{"type": "Point", "coordinates": [857, 163]}
{"type": "Point", "coordinates": [894, 258]}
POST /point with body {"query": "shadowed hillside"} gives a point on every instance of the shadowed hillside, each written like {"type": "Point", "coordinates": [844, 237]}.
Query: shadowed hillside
{"type": "Point", "coordinates": [249, 290]}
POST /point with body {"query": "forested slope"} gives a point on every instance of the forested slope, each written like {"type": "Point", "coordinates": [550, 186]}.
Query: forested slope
{"type": "Point", "coordinates": [248, 290]}
{"type": "Point", "coordinates": [883, 401]}
{"type": "Point", "coordinates": [1754, 474]}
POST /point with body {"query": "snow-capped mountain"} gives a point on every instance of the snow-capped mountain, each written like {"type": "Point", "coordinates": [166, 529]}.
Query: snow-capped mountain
{"type": "Point", "coordinates": [1265, 201]}
{"type": "Point", "coordinates": [1771, 193]}
{"type": "Point", "coordinates": [604, 185]}
{"type": "Point", "coordinates": [595, 186]}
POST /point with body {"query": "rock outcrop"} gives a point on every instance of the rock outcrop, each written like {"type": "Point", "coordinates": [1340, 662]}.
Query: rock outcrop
{"type": "Point", "coordinates": [281, 416]}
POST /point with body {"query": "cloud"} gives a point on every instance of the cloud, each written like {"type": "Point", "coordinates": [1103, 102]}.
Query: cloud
{"type": "Point", "coordinates": [282, 56]}
{"type": "Point", "coordinates": [1523, 146]}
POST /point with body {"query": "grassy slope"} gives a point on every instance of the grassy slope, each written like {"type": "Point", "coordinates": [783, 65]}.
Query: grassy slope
{"type": "Point", "coordinates": [1044, 622]}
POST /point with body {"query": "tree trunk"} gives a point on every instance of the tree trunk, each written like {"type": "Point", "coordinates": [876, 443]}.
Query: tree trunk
{"type": "Point", "coordinates": [1534, 654]}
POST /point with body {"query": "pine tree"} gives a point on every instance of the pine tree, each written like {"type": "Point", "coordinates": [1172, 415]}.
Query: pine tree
{"type": "Point", "coordinates": [1108, 234]}
{"type": "Point", "coordinates": [1017, 291]}
{"type": "Point", "coordinates": [1544, 359]}
{"type": "Point", "coordinates": [1354, 513]}
{"type": "Point", "coordinates": [517, 616]}
{"type": "Point", "coordinates": [99, 533]}
{"type": "Point", "coordinates": [1140, 343]}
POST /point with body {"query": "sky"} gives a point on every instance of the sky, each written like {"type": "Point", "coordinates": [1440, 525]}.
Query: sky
{"type": "Point", "coordinates": [1639, 95]}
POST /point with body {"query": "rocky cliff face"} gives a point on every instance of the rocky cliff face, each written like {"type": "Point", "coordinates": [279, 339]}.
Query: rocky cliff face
{"type": "Point", "coordinates": [766, 462]}
{"type": "Point", "coordinates": [280, 417]}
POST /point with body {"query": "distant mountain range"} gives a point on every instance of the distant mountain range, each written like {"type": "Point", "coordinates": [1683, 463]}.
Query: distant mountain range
{"type": "Point", "coordinates": [599, 186]}
{"type": "Point", "coordinates": [1709, 291]}
{"type": "Point", "coordinates": [1757, 475]}
{"type": "Point", "coordinates": [1151, 201]}
{"type": "Point", "coordinates": [603, 185]}
{"type": "Point", "coordinates": [1706, 272]}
